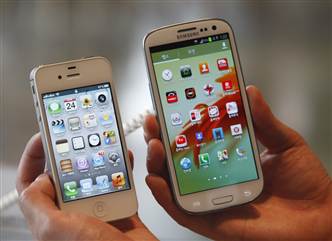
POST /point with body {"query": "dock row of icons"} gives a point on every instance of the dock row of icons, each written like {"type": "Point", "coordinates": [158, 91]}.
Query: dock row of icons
{"type": "Point", "coordinates": [102, 182]}
{"type": "Point", "coordinates": [205, 161]}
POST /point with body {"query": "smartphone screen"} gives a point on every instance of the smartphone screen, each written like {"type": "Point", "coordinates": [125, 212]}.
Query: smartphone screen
{"type": "Point", "coordinates": [86, 142]}
{"type": "Point", "coordinates": [204, 114]}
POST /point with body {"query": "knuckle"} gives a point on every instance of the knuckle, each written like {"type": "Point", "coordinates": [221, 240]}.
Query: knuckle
{"type": "Point", "coordinates": [25, 196]}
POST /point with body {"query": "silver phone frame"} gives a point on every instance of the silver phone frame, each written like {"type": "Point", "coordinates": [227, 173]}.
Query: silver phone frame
{"type": "Point", "coordinates": [93, 71]}
{"type": "Point", "coordinates": [201, 202]}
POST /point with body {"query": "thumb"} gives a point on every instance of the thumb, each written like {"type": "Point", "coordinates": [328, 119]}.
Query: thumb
{"type": "Point", "coordinates": [270, 131]}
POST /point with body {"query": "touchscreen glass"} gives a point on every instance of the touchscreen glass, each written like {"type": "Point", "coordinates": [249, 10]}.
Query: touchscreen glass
{"type": "Point", "coordinates": [86, 141]}
{"type": "Point", "coordinates": [203, 109]}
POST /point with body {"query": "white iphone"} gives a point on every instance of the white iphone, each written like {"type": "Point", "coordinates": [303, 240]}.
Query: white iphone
{"type": "Point", "coordinates": [202, 108]}
{"type": "Point", "coordinates": [83, 138]}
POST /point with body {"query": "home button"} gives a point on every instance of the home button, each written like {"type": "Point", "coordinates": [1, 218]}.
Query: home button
{"type": "Point", "coordinates": [99, 209]}
{"type": "Point", "coordinates": [222, 200]}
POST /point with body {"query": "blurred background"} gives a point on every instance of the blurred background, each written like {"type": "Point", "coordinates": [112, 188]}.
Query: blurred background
{"type": "Point", "coordinates": [285, 49]}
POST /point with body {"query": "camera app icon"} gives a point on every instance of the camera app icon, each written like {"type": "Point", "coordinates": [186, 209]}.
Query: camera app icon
{"type": "Point", "coordinates": [185, 71]}
{"type": "Point", "coordinates": [102, 98]}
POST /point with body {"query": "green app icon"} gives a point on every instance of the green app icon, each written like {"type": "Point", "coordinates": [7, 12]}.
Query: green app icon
{"type": "Point", "coordinates": [54, 107]}
{"type": "Point", "coordinates": [70, 189]}
{"type": "Point", "coordinates": [204, 159]}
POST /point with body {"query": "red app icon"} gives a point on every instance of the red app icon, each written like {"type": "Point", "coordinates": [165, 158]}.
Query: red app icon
{"type": "Point", "coordinates": [227, 85]}
{"type": "Point", "coordinates": [204, 68]}
{"type": "Point", "coordinates": [190, 93]}
{"type": "Point", "coordinates": [222, 64]}
{"type": "Point", "coordinates": [181, 141]}
{"type": "Point", "coordinates": [171, 97]}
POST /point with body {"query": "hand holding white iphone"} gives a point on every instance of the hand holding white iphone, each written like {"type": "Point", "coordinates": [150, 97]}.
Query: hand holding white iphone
{"type": "Point", "coordinates": [83, 139]}
{"type": "Point", "coordinates": [202, 108]}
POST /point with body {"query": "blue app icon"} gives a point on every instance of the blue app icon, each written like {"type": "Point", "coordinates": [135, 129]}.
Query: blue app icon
{"type": "Point", "coordinates": [58, 126]}
{"type": "Point", "coordinates": [185, 163]}
{"type": "Point", "coordinates": [218, 134]}
{"type": "Point", "coordinates": [106, 118]}
{"type": "Point", "coordinates": [199, 136]}
{"type": "Point", "coordinates": [98, 159]}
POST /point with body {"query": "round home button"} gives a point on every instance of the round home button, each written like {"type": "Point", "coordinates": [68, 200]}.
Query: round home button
{"type": "Point", "coordinates": [222, 200]}
{"type": "Point", "coordinates": [99, 209]}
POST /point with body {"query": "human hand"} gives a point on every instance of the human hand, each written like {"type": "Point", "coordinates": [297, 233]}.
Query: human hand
{"type": "Point", "coordinates": [47, 222]}
{"type": "Point", "coordinates": [296, 203]}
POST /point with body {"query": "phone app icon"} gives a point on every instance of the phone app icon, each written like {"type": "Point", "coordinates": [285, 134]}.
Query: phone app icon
{"type": "Point", "coordinates": [181, 141]}
{"type": "Point", "coordinates": [102, 98]}
{"type": "Point", "coordinates": [74, 123]}
{"type": "Point", "coordinates": [190, 93]}
{"type": "Point", "coordinates": [231, 108]}
{"type": "Point", "coordinates": [185, 71]}
{"type": "Point", "coordinates": [90, 120]}
{"type": "Point", "coordinates": [222, 64]}
{"type": "Point", "coordinates": [217, 134]}
{"type": "Point", "coordinates": [82, 164]}
{"type": "Point", "coordinates": [208, 89]}
{"type": "Point", "coordinates": [62, 146]}
{"type": "Point", "coordinates": [204, 68]}
{"type": "Point", "coordinates": [199, 136]}
{"type": "Point", "coordinates": [236, 129]}
{"type": "Point", "coordinates": [70, 189]}
{"type": "Point", "coordinates": [98, 159]}
{"type": "Point", "coordinates": [102, 182]}
{"type": "Point", "coordinates": [167, 75]}
{"type": "Point", "coordinates": [54, 108]}
{"type": "Point", "coordinates": [70, 104]}
{"type": "Point", "coordinates": [213, 111]}
{"type": "Point", "coordinates": [58, 126]}
{"type": "Point", "coordinates": [171, 97]}
{"type": "Point", "coordinates": [118, 179]}
{"type": "Point", "coordinates": [106, 118]}
{"type": "Point", "coordinates": [204, 159]}
{"type": "Point", "coordinates": [66, 166]}
{"type": "Point", "coordinates": [114, 158]}
{"type": "Point", "coordinates": [176, 119]}
{"type": "Point", "coordinates": [86, 185]}
{"type": "Point", "coordinates": [94, 140]}
{"type": "Point", "coordinates": [227, 85]}
{"type": "Point", "coordinates": [195, 115]}
{"type": "Point", "coordinates": [240, 151]}
{"type": "Point", "coordinates": [86, 101]}
{"type": "Point", "coordinates": [109, 137]}
{"type": "Point", "coordinates": [185, 163]}
{"type": "Point", "coordinates": [222, 155]}
{"type": "Point", "coordinates": [78, 143]}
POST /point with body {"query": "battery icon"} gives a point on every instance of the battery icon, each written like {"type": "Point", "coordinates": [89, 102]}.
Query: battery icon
{"type": "Point", "coordinates": [210, 39]}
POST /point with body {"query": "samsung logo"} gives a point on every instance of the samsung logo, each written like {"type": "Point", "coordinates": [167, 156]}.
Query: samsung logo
{"type": "Point", "coordinates": [187, 35]}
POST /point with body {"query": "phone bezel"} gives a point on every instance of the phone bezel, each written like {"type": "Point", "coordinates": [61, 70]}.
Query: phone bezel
{"type": "Point", "coordinates": [201, 202]}
{"type": "Point", "coordinates": [93, 71]}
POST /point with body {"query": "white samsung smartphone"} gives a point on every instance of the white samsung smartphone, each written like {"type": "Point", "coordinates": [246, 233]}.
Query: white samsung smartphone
{"type": "Point", "coordinates": [200, 99]}
{"type": "Point", "coordinates": [83, 138]}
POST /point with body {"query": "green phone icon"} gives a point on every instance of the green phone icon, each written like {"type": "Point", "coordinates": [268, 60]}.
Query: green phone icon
{"type": "Point", "coordinates": [204, 159]}
{"type": "Point", "coordinates": [70, 189]}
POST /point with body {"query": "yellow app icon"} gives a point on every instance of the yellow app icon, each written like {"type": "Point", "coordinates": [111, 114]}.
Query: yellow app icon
{"type": "Point", "coordinates": [118, 179]}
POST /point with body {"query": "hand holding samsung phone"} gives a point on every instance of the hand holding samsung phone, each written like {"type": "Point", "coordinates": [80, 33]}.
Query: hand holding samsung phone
{"type": "Point", "coordinates": [200, 99]}
{"type": "Point", "coordinates": [83, 138]}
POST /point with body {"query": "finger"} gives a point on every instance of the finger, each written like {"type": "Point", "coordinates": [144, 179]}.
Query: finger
{"type": "Point", "coordinates": [38, 199]}
{"type": "Point", "coordinates": [271, 132]}
{"type": "Point", "coordinates": [32, 163]}
{"type": "Point", "coordinates": [162, 193]}
{"type": "Point", "coordinates": [131, 158]}
{"type": "Point", "coordinates": [156, 158]}
{"type": "Point", "coordinates": [151, 128]}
